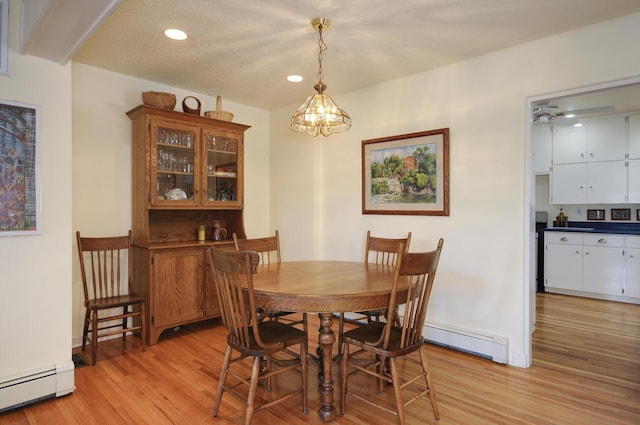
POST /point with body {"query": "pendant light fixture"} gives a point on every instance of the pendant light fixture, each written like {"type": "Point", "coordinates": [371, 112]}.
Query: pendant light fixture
{"type": "Point", "coordinates": [320, 114]}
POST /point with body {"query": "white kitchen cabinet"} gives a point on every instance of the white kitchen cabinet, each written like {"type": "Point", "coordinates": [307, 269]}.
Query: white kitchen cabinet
{"type": "Point", "coordinates": [634, 181]}
{"type": "Point", "coordinates": [603, 264]}
{"type": "Point", "coordinates": [634, 136]}
{"type": "Point", "coordinates": [606, 139]}
{"type": "Point", "coordinates": [589, 183]}
{"type": "Point", "coordinates": [563, 260]}
{"type": "Point", "coordinates": [569, 184]}
{"type": "Point", "coordinates": [541, 146]}
{"type": "Point", "coordinates": [606, 182]}
{"type": "Point", "coordinates": [590, 164]}
{"type": "Point", "coordinates": [632, 267]}
{"type": "Point", "coordinates": [569, 144]}
{"type": "Point", "coordinates": [595, 265]}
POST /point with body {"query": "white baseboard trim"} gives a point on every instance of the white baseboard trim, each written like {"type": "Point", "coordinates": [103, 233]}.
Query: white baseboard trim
{"type": "Point", "coordinates": [488, 346]}
{"type": "Point", "coordinates": [35, 385]}
{"type": "Point", "coordinates": [492, 347]}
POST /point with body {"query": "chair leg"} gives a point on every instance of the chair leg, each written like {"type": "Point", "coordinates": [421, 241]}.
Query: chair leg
{"type": "Point", "coordinates": [143, 327]}
{"type": "Point", "coordinates": [427, 380]}
{"type": "Point", "coordinates": [344, 374]}
{"type": "Point", "coordinates": [268, 369]}
{"type": "Point", "coordinates": [340, 333]}
{"type": "Point", "coordinates": [251, 398]}
{"type": "Point", "coordinates": [381, 368]}
{"type": "Point", "coordinates": [221, 383]}
{"type": "Point", "coordinates": [303, 370]}
{"type": "Point", "coordinates": [125, 310]}
{"type": "Point", "coordinates": [396, 390]}
{"type": "Point", "coordinates": [85, 332]}
{"type": "Point", "coordinates": [94, 337]}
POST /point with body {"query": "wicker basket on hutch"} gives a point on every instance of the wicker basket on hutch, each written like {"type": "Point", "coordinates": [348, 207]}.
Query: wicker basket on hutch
{"type": "Point", "coordinates": [159, 99]}
{"type": "Point", "coordinates": [219, 114]}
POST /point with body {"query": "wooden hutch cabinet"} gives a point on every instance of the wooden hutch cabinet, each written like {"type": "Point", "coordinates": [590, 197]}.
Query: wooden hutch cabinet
{"type": "Point", "coordinates": [187, 172]}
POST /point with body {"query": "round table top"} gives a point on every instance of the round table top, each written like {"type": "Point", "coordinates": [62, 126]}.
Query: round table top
{"type": "Point", "coordinates": [323, 286]}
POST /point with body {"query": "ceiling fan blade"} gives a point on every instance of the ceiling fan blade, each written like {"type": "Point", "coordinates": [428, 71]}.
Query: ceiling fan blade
{"type": "Point", "coordinates": [563, 121]}
{"type": "Point", "coordinates": [589, 111]}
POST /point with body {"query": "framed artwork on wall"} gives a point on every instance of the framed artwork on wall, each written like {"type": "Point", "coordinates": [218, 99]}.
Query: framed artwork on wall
{"type": "Point", "coordinates": [595, 214]}
{"type": "Point", "coordinates": [406, 174]}
{"type": "Point", "coordinates": [620, 213]}
{"type": "Point", "coordinates": [19, 185]}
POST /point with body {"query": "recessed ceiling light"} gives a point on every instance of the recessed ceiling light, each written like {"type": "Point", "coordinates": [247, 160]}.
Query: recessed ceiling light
{"type": "Point", "coordinates": [569, 115]}
{"type": "Point", "coordinates": [175, 34]}
{"type": "Point", "coordinates": [578, 124]}
{"type": "Point", "coordinates": [294, 78]}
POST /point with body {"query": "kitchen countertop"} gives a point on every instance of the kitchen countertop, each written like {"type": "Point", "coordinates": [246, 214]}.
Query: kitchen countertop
{"type": "Point", "coordinates": [599, 227]}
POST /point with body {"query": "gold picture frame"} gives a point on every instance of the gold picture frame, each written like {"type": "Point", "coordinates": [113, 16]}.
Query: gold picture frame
{"type": "Point", "coordinates": [406, 174]}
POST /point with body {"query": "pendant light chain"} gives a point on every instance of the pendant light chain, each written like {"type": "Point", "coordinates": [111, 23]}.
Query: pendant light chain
{"type": "Point", "coordinates": [321, 48]}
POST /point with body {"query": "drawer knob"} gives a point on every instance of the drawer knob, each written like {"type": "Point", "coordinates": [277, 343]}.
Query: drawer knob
{"type": "Point", "coordinates": [564, 239]}
{"type": "Point", "coordinates": [602, 240]}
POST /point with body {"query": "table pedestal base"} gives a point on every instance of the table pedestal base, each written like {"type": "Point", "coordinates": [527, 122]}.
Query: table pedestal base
{"type": "Point", "coordinates": [326, 339]}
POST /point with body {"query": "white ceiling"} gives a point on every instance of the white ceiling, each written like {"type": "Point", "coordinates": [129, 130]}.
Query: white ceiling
{"type": "Point", "coordinates": [244, 49]}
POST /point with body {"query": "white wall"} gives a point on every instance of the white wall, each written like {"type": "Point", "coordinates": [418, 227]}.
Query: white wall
{"type": "Point", "coordinates": [312, 187]}
{"type": "Point", "coordinates": [484, 270]}
{"type": "Point", "coordinates": [102, 159]}
{"type": "Point", "coordinates": [35, 285]}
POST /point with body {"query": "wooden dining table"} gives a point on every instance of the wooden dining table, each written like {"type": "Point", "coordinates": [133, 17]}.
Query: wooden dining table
{"type": "Point", "coordinates": [324, 287]}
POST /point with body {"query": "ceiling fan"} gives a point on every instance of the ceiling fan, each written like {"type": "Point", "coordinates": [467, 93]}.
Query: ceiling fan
{"type": "Point", "coordinates": [550, 113]}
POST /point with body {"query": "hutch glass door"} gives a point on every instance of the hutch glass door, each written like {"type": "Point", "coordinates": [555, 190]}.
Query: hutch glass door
{"type": "Point", "coordinates": [175, 165]}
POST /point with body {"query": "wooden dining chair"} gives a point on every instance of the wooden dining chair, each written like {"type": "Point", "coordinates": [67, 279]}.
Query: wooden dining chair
{"type": "Point", "coordinates": [268, 249]}
{"type": "Point", "coordinates": [383, 251]}
{"type": "Point", "coordinates": [111, 307]}
{"type": "Point", "coordinates": [390, 340]}
{"type": "Point", "coordinates": [250, 337]}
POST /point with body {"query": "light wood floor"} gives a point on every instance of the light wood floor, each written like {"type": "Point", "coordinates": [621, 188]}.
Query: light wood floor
{"type": "Point", "coordinates": [586, 371]}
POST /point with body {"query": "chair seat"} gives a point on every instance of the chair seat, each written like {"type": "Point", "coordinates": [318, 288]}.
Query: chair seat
{"type": "Point", "coordinates": [278, 313]}
{"type": "Point", "coordinates": [378, 312]}
{"type": "Point", "coordinates": [372, 332]}
{"type": "Point", "coordinates": [117, 301]}
{"type": "Point", "coordinates": [271, 332]}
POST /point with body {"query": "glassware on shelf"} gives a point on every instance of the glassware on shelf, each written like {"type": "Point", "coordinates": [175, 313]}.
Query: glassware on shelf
{"type": "Point", "coordinates": [211, 142]}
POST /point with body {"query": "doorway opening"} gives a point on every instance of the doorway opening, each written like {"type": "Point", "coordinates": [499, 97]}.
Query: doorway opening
{"type": "Point", "coordinates": [554, 109]}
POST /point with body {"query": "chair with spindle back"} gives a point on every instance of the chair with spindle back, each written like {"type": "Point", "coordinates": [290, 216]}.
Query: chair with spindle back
{"type": "Point", "coordinates": [396, 338]}
{"type": "Point", "coordinates": [383, 251]}
{"type": "Point", "coordinates": [268, 250]}
{"type": "Point", "coordinates": [107, 287]}
{"type": "Point", "coordinates": [250, 337]}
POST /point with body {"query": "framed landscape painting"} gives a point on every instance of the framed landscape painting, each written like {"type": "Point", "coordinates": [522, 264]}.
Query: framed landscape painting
{"type": "Point", "coordinates": [406, 174]}
{"type": "Point", "coordinates": [19, 191]}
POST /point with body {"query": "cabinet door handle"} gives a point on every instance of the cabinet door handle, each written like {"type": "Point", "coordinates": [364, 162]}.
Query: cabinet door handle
{"type": "Point", "coordinates": [591, 154]}
{"type": "Point", "coordinates": [564, 239]}
{"type": "Point", "coordinates": [630, 255]}
{"type": "Point", "coordinates": [602, 240]}
{"type": "Point", "coordinates": [585, 253]}
{"type": "Point", "coordinates": [581, 155]}
{"type": "Point", "coordinates": [578, 252]}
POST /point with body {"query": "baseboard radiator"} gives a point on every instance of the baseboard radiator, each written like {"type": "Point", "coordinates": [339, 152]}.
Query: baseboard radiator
{"type": "Point", "coordinates": [484, 345]}
{"type": "Point", "coordinates": [36, 385]}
